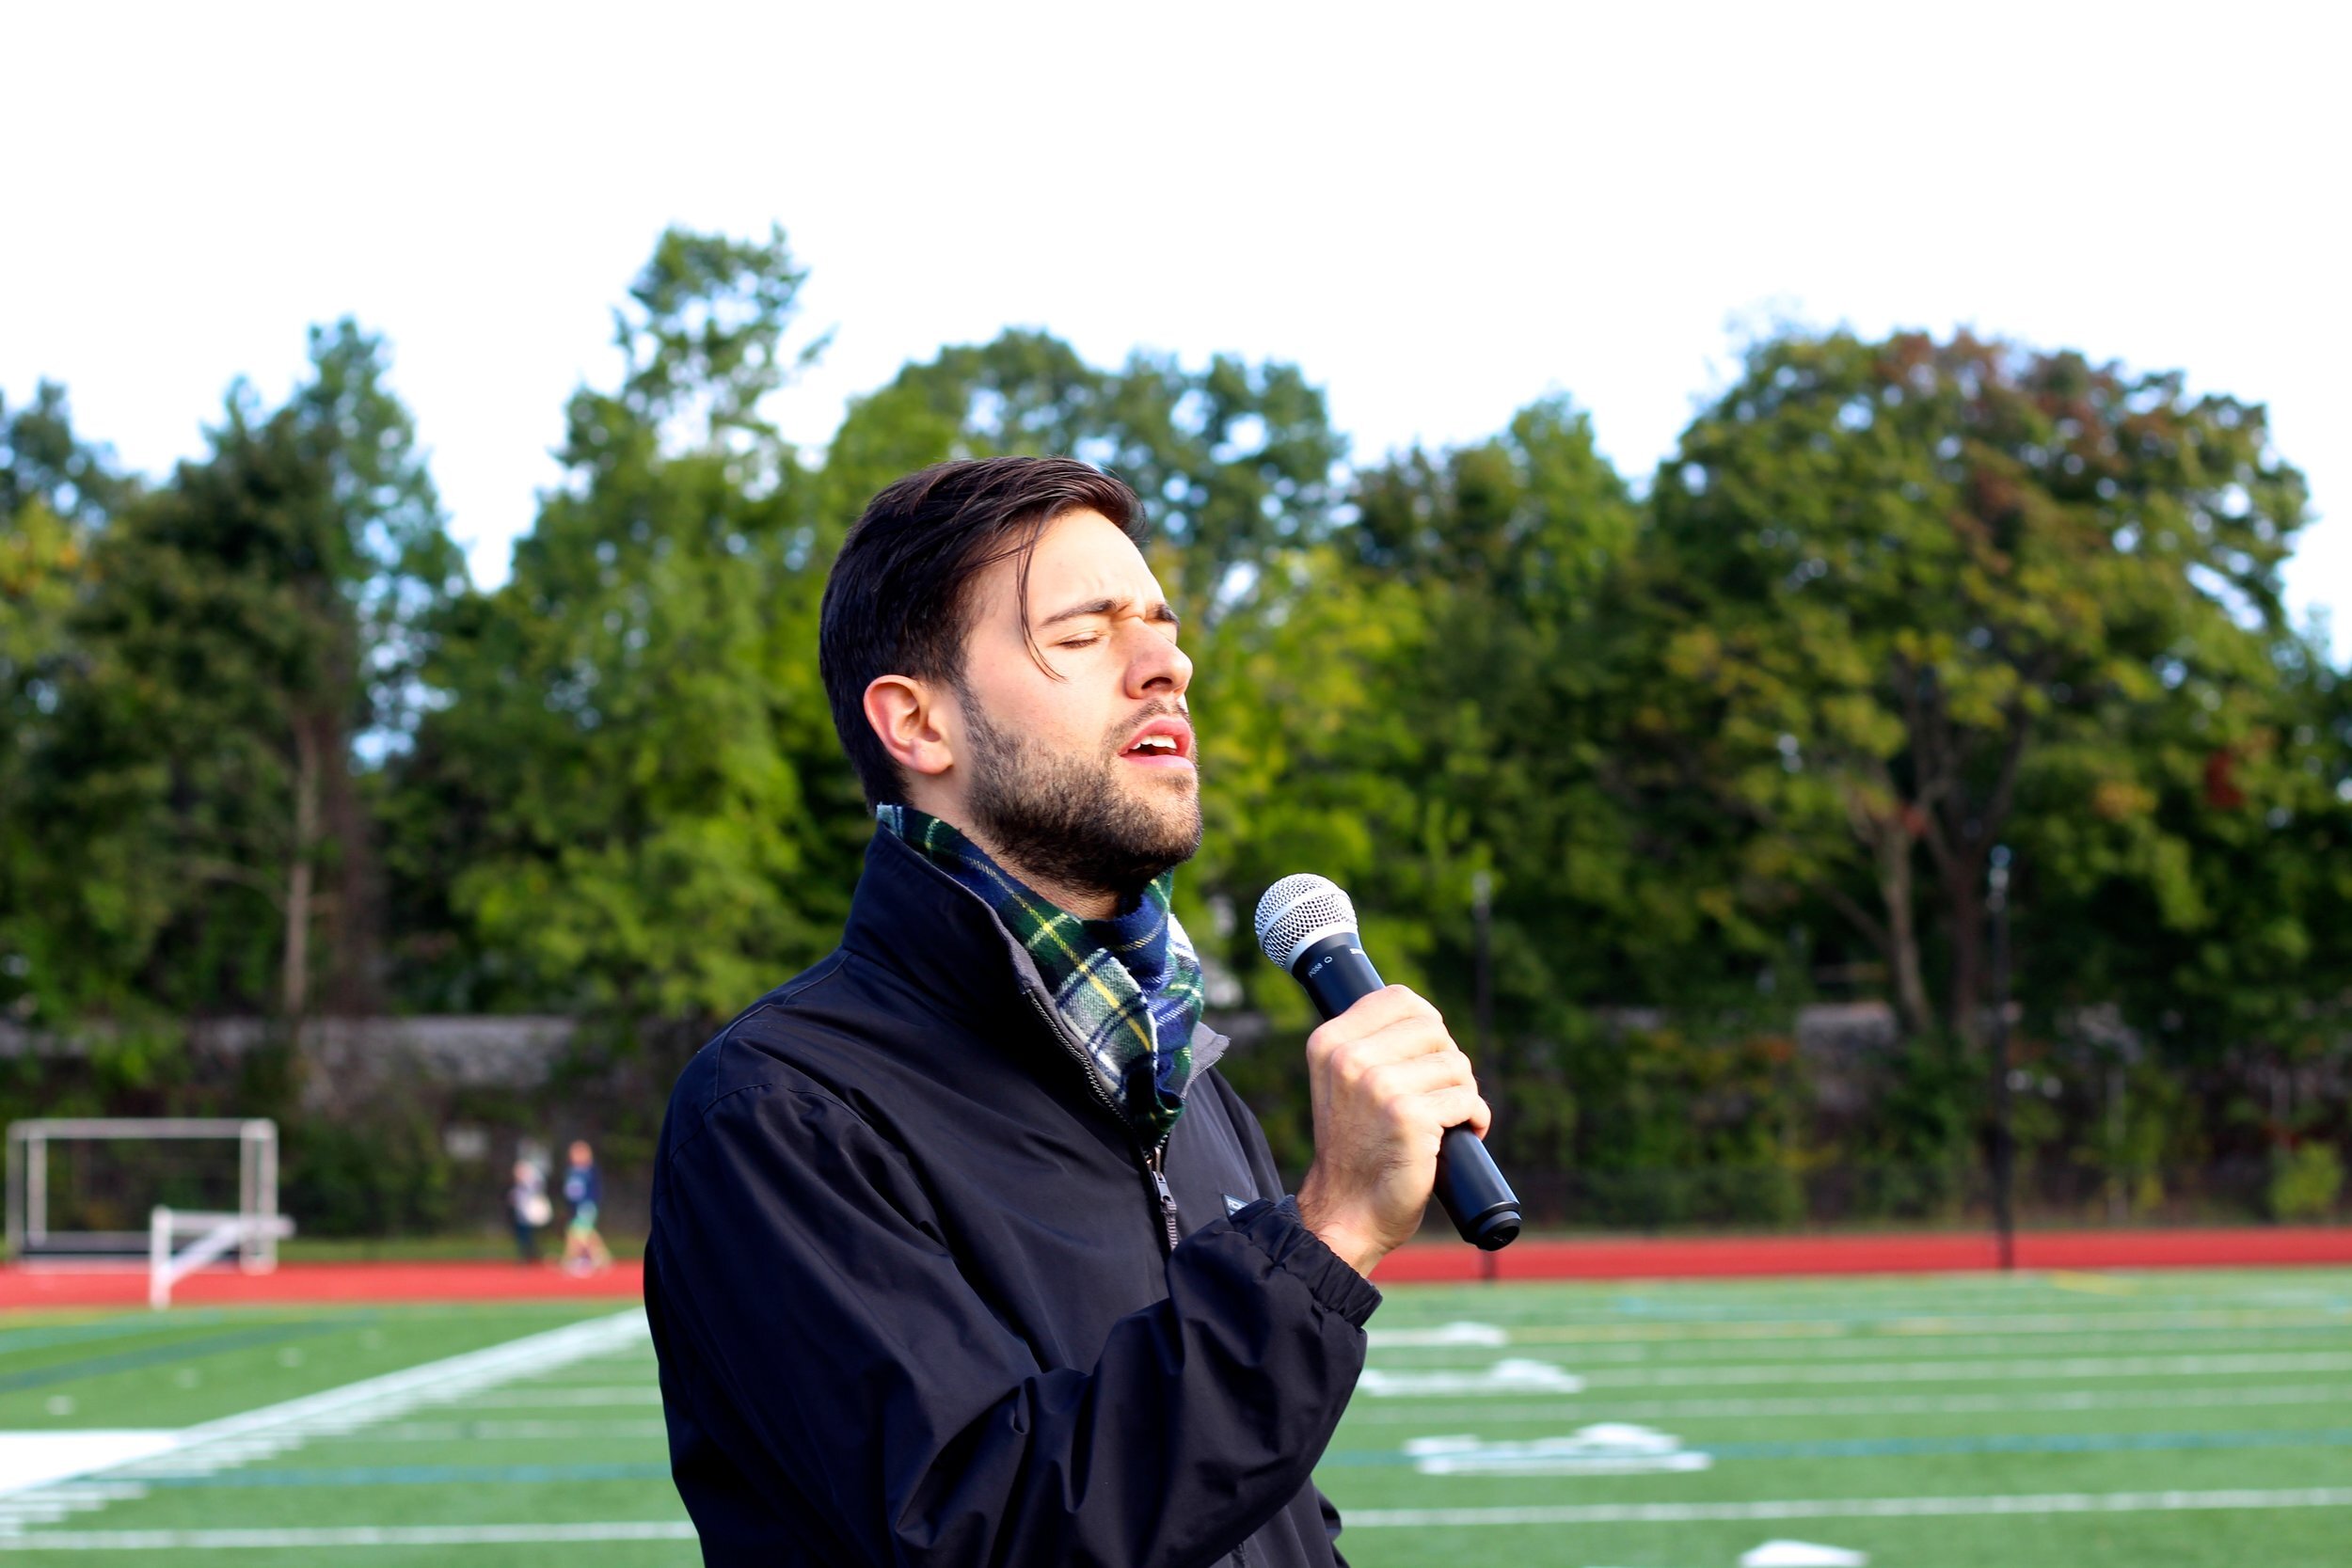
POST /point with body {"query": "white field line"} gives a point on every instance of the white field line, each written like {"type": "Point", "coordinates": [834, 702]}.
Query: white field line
{"type": "Point", "coordinates": [494, 1432]}
{"type": "Point", "coordinates": [2053, 1368]}
{"type": "Point", "coordinates": [605, 1368]}
{"type": "Point", "coordinates": [1444, 1334]}
{"type": "Point", "coordinates": [1855, 1508]}
{"type": "Point", "coordinates": [1604, 1448]}
{"type": "Point", "coordinates": [46, 1505]}
{"type": "Point", "coordinates": [2222, 1396]}
{"type": "Point", "coordinates": [239, 1439]}
{"type": "Point", "coordinates": [540, 1399]}
{"type": "Point", "coordinates": [1513, 1376]}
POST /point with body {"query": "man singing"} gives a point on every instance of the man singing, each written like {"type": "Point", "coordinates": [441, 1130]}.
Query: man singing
{"type": "Point", "coordinates": [962, 1252]}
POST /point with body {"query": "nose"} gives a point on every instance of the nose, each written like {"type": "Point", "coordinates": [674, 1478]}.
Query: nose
{"type": "Point", "coordinates": [1158, 668]}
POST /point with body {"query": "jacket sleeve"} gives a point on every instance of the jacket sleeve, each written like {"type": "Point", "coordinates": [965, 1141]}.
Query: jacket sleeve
{"type": "Point", "coordinates": [866, 1380]}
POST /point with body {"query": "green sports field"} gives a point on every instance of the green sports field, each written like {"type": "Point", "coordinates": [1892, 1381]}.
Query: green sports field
{"type": "Point", "coordinates": [2162, 1418]}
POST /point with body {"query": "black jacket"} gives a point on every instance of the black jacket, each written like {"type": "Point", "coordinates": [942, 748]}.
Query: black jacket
{"type": "Point", "coordinates": [912, 1288]}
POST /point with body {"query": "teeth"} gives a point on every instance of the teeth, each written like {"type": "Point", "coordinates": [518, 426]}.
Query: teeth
{"type": "Point", "coordinates": [1155, 743]}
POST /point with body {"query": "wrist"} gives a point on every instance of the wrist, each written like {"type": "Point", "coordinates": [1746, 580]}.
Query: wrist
{"type": "Point", "coordinates": [1352, 1244]}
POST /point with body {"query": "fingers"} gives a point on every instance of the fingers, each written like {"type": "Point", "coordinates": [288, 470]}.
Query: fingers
{"type": "Point", "coordinates": [1399, 1064]}
{"type": "Point", "coordinates": [1388, 1006]}
{"type": "Point", "coordinates": [1430, 1111]}
{"type": "Point", "coordinates": [1460, 1105]}
{"type": "Point", "coordinates": [1389, 1024]}
{"type": "Point", "coordinates": [1430, 1074]}
{"type": "Point", "coordinates": [1420, 1097]}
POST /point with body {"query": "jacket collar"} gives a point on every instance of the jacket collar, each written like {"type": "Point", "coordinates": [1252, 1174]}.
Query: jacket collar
{"type": "Point", "coordinates": [917, 922]}
{"type": "Point", "coordinates": [914, 920]}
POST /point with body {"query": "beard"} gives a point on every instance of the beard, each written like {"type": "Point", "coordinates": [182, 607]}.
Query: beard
{"type": "Point", "coordinates": [1072, 819]}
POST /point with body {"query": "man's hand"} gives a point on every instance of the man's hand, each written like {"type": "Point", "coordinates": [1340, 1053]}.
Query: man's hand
{"type": "Point", "coordinates": [1386, 1081]}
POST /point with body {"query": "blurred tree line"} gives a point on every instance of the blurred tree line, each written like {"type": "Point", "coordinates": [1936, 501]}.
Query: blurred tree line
{"type": "Point", "coordinates": [1737, 739]}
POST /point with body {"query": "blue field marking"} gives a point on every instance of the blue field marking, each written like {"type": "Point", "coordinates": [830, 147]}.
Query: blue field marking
{"type": "Point", "coordinates": [164, 1355]}
{"type": "Point", "coordinates": [1897, 1448]}
{"type": "Point", "coordinates": [13, 1340]}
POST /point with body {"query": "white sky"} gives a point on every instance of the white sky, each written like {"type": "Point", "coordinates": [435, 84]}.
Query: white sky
{"type": "Point", "coordinates": [1440, 213]}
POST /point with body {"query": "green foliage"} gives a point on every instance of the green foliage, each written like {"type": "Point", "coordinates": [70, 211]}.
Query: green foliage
{"type": "Point", "coordinates": [55, 491]}
{"type": "Point", "coordinates": [384, 1177]}
{"type": "Point", "coordinates": [1894, 583]}
{"type": "Point", "coordinates": [239, 631]}
{"type": "Point", "coordinates": [1677, 1127]}
{"type": "Point", "coordinates": [2305, 1182]}
{"type": "Point", "coordinates": [2207, 891]}
{"type": "Point", "coordinates": [1711, 749]}
{"type": "Point", "coordinates": [43, 462]}
{"type": "Point", "coordinates": [1915, 1151]}
{"type": "Point", "coordinates": [1235, 461]}
{"type": "Point", "coordinates": [609, 812]}
{"type": "Point", "coordinates": [1514, 693]}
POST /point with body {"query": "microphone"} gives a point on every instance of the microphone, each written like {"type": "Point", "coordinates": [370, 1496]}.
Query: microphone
{"type": "Point", "coordinates": [1306, 925]}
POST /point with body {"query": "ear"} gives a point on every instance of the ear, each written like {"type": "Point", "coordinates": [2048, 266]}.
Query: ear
{"type": "Point", "coordinates": [905, 714]}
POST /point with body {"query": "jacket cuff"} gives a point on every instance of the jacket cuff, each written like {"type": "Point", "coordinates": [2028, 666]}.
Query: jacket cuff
{"type": "Point", "coordinates": [1277, 1231]}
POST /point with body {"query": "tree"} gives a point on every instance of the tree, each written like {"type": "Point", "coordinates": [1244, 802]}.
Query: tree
{"type": "Point", "coordinates": [608, 813]}
{"type": "Point", "coordinates": [247, 623]}
{"type": "Point", "coordinates": [2195, 912]}
{"type": "Point", "coordinates": [1890, 578]}
{"type": "Point", "coordinates": [1608, 894]}
{"type": "Point", "coordinates": [1513, 547]}
{"type": "Point", "coordinates": [1235, 462]}
{"type": "Point", "coordinates": [55, 491]}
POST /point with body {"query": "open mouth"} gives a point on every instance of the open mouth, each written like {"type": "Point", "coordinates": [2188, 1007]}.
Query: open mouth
{"type": "Point", "coordinates": [1161, 741]}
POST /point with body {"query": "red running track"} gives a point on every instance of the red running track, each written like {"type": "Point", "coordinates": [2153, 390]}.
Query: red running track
{"type": "Point", "coordinates": [321, 1282]}
{"type": "Point", "coordinates": [1726, 1257]}
{"type": "Point", "coordinates": [1531, 1258]}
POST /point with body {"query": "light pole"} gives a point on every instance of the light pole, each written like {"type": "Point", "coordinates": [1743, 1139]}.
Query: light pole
{"type": "Point", "coordinates": [2003, 1150]}
{"type": "Point", "coordinates": [1481, 923]}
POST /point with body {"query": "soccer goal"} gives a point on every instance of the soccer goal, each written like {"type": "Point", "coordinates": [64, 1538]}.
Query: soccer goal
{"type": "Point", "coordinates": [88, 1189]}
{"type": "Point", "coordinates": [216, 1236]}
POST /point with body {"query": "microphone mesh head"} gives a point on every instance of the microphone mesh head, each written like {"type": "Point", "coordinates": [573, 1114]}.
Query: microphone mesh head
{"type": "Point", "coordinates": [1298, 913]}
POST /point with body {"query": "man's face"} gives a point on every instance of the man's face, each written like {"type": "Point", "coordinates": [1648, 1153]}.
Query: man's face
{"type": "Point", "coordinates": [1083, 772]}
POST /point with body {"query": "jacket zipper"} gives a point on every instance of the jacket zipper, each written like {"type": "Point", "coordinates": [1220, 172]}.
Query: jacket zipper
{"type": "Point", "coordinates": [1153, 1158]}
{"type": "Point", "coordinates": [1152, 1166]}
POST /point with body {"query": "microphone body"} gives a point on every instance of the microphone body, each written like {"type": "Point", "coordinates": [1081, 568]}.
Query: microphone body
{"type": "Point", "coordinates": [1477, 1199]}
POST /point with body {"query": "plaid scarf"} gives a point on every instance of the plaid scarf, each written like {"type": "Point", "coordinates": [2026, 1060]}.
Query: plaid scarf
{"type": "Point", "coordinates": [1129, 988]}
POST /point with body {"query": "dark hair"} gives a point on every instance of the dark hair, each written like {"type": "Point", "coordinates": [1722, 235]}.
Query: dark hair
{"type": "Point", "coordinates": [898, 599]}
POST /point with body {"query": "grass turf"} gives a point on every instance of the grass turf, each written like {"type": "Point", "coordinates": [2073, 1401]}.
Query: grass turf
{"type": "Point", "coordinates": [1957, 1407]}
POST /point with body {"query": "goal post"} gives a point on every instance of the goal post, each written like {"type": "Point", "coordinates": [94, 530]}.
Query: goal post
{"type": "Point", "coordinates": [47, 1221]}
{"type": "Point", "coordinates": [216, 1236]}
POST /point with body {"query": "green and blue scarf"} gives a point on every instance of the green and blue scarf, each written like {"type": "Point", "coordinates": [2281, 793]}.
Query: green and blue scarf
{"type": "Point", "coordinates": [1129, 987]}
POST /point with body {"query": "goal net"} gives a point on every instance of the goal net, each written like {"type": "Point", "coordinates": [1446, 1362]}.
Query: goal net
{"type": "Point", "coordinates": [86, 1189]}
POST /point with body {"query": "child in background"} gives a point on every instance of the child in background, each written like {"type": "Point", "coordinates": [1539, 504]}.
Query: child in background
{"type": "Point", "coordinates": [527, 1203]}
{"type": "Point", "coordinates": [584, 1251]}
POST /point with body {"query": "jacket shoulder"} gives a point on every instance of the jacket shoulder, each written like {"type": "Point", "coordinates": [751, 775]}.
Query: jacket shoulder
{"type": "Point", "coordinates": [768, 1043]}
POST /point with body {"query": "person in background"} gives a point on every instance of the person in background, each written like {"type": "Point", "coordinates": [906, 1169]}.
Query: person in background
{"type": "Point", "coordinates": [584, 1251]}
{"type": "Point", "coordinates": [527, 1204]}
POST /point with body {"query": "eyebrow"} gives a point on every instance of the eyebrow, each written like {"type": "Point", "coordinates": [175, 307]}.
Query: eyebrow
{"type": "Point", "coordinates": [1161, 612]}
